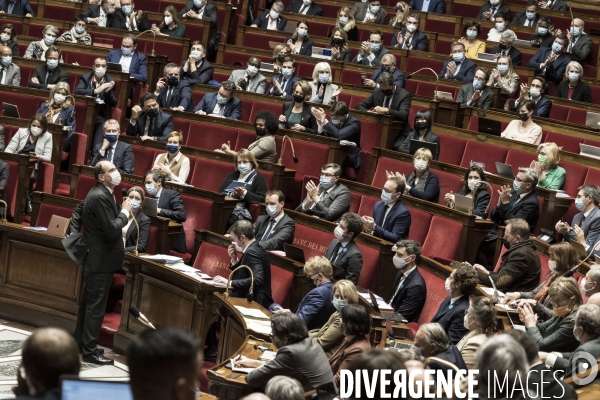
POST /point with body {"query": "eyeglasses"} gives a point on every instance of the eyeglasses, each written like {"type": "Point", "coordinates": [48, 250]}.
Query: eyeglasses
{"type": "Point", "coordinates": [326, 175]}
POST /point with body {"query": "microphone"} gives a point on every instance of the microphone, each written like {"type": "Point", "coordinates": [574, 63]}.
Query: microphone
{"type": "Point", "coordinates": [137, 239]}
{"type": "Point", "coordinates": [570, 272]}
{"type": "Point", "coordinates": [250, 292]}
{"type": "Point", "coordinates": [437, 80]}
{"type": "Point", "coordinates": [283, 149]}
{"type": "Point", "coordinates": [140, 317]}
{"type": "Point", "coordinates": [153, 40]}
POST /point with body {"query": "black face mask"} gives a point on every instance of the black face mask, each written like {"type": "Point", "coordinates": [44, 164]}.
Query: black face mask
{"type": "Point", "coordinates": [260, 131]}
{"type": "Point", "coordinates": [338, 41]}
{"type": "Point", "coordinates": [152, 113]}
{"type": "Point", "coordinates": [420, 125]}
{"type": "Point", "coordinates": [311, 283]}
{"type": "Point", "coordinates": [298, 98]}
{"type": "Point", "coordinates": [506, 243]}
{"type": "Point", "coordinates": [502, 46]}
{"type": "Point", "coordinates": [280, 57]}
{"type": "Point", "coordinates": [523, 117]}
{"type": "Point", "coordinates": [385, 68]}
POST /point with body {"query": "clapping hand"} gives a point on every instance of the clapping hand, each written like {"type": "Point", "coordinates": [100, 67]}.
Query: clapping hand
{"type": "Point", "coordinates": [524, 92]}
{"type": "Point", "coordinates": [318, 113]}
{"type": "Point", "coordinates": [35, 80]}
{"type": "Point", "coordinates": [312, 191]}
{"type": "Point", "coordinates": [562, 227]}
{"type": "Point", "coordinates": [476, 96]}
{"type": "Point", "coordinates": [337, 91]}
{"type": "Point", "coordinates": [365, 48]}
{"type": "Point", "coordinates": [369, 83]}
{"type": "Point", "coordinates": [451, 70]}
{"type": "Point", "coordinates": [504, 193]}
{"type": "Point", "coordinates": [226, 148]}
{"type": "Point", "coordinates": [368, 223]}
{"type": "Point", "coordinates": [239, 191]}
{"type": "Point", "coordinates": [495, 74]}
{"type": "Point", "coordinates": [579, 234]}
{"type": "Point", "coordinates": [449, 197]}
{"type": "Point", "coordinates": [242, 83]}
{"type": "Point", "coordinates": [536, 166]}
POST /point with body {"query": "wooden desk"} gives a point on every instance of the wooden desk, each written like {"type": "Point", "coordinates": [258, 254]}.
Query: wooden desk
{"type": "Point", "coordinates": [25, 164]}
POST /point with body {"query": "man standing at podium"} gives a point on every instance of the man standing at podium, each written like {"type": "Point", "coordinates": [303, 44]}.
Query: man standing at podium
{"type": "Point", "coordinates": [100, 250]}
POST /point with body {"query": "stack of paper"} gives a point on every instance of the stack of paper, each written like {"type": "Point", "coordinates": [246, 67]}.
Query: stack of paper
{"type": "Point", "coordinates": [263, 327]}
{"type": "Point", "coordinates": [251, 312]}
{"type": "Point", "coordinates": [267, 355]}
{"type": "Point", "coordinates": [383, 306]}
{"type": "Point", "coordinates": [163, 258]}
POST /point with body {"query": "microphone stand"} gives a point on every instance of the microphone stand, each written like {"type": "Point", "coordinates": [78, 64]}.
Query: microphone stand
{"type": "Point", "coordinates": [153, 40]}
{"type": "Point", "coordinates": [437, 80]}
{"type": "Point", "coordinates": [3, 221]}
{"type": "Point", "coordinates": [280, 162]}
{"type": "Point", "coordinates": [250, 292]}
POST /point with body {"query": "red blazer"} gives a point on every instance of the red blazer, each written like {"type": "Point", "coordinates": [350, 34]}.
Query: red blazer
{"type": "Point", "coordinates": [348, 352]}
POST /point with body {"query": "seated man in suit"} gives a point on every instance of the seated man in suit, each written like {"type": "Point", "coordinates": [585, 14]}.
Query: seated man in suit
{"type": "Point", "coordinates": [411, 38]}
{"type": "Point", "coordinates": [283, 84]}
{"type": "Point", "coordinates": [369, 11]}
{"type": "Point", "coordinates": [221, 104]}
{"type": "Point", "coordinates": [343, 253]}
{"type": "Point", "coordinates": [196, 68]}
{"type": "Point", "coordinates": [388, 64]}
{"type": "Point", "coordinates": [409, 290]}
{"type": "Point", "coordinates": [435, 347]}
{"type": "Point", "coordinates": [111, 149]}
{"type": "Point", "coordinates": [272, 19]}
{"type": "Point", "coordinates": [477, 93]}
{"type": "Point", "coordinates": [556, 5]}
{"type": "Point", "coordinates": [459, 68]}
{"type": "Point", "coordinates": [305, 7]}
{"type": "Point", "coordinates": [46, 76]}
{"type": "Point", "coordinates": [11, 73]}
{"type": "Point", "coordinates": [552, 62]}
{"type": "Point", "coordinates": [200, 9]}
{"type": "Point", "coordinates": [104, 15]}
{"type": "Point", "coordinates": [435, 6]}
{"type": "Point", "coordinates": [16, 7]}
{"type": "Point", "coordinates": [173, 92]}
{"type": "Point", "coordinates": [489, 11]}
{"type": "Point", "coordinates": [132, 61]}
{"type": "Point", "coordinates": [586, 225]}
{"type": "Point", "coordinates": [543, 105]}
{"type": "Point", "coordinates": [329, 199]}
{"type": "Point", "coordinates": [151, 123]}
{"type": "Point", "coordinates": [505, 48]}
{"type": "Point", "coordinates": [249, 79]}
{"type": "Point", "coordinates": [170, 205]}
{"type": "Point", "coordinates": [529, 17]}
{"type": "Point", "coordinates": [134, 20]}
{"type": "Point", "coordinates": [343, 126]}
{"type": "Point", "coordinates": [391, 219]}
{"type": "Point", "coordinates": [580, 44]}
{"type": "Point", "coordinates": [460, 285]}
{"type": "Point", "coordinates": [275, 228]}
{"type": "Point", "coordinates": [372, 51]}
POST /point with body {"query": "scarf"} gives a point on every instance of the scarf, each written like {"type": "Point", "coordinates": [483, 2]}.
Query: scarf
{"type": "Point", "coordinates": [540, 297]}
{"type": "Point", "coordinates": [77, 35]}
{"type": "Point", "coordinates": [420, 185]}
{"type": "Point", "coordinates": [44, 47]}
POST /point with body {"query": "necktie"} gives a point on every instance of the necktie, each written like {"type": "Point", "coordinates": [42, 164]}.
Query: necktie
{"type": "Point", "coordinates": [169, 96]}
{"type": "Point", "coordinates": [283, 85]}
{"type": "Point", "coordinates": [387, 211]}
{"type": "Point", "coordinates": [336, 250]}
{"type": "Point", "coordinates": [268, 231]}
{"type": "Point", "coordinates": [494, 10]}
{"type": "Point", "coordinates": [109, 153]}
{"type": "Point", "coordinates": [151, 127]}
{"type": "Point", "coordinates": [48, 73]}
{"type": "Point", "coordinates": [1, 74]}
{"type": "Point", "coordinates": [400, 282]}
{"type": "Point", "coordinates": [303, 10]}
{"type": "Point", "coordinates": [582, 220]}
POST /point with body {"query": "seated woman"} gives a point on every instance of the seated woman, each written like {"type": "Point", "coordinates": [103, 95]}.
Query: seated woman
{"type": "Point", "coordinates": [280, 52]}
{"type": "Point", "coordinates": [130, 232]}
{"type": "Point", "coordinates": [398, 21]}
{"type": "Point", "coordinates": [340, 49]}
{"type": "Point", "coordinates": [556, 333]}
{"type": "Point", "coordinates": [323, 91]}
{"type": "Point", "coordinates": [356, 325]}
{"type": "Point", "coordinates": [252, 187]}
{"type": "Point", "coordinates": [173, 163]}
{"type": "Point", "coordinates": [60, 109]}
{"type": "Point", "coordinates": [504, 77]}
{"type": "Point", "coordinates": [329, 336]}
{"type": "Point", "coordinates": [422, 133]}
{"type": "Point", "coordinates": [37, 49]}
{"type": "Point", "coordinates": [524, 129]}
{"type": "Point", "coordinates": [551, 176]}
{"type": "Point", "coordinates": [480, 321]}
{"type": "Point", "coordinates": [263, 148]}
{"type": "Point", "coordinates": [422, 183]}
{"type": "Point", "coordinates": [562, 258]}
{"type": "Point", "coordinates": [77, 34]}
{"type": "Point", "coordinates": [299, 42]}
{"type": "Point", "coordinates": [170, 25]}
{"type": "Point", "coordinates": [544, 33]}
{"type": "Point", "coordinates": [473, 45]}
{"type": "Point", "coordinates": [574, 88]}
{"type": "Point", "coordinates": [345, 20]}
{"type": "Point", "coordinates": [298, 356]}
{"type": "Point", "coordinates": [297, 115]}
{"type": "Point", "coordinates": [475, 188]}
{"type": "Point", "coordinates": [7, 38]}
{"type": "Point", "coordinates": [502, 22]}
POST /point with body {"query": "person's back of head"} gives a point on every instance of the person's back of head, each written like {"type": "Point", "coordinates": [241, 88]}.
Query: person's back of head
{"type": "Point", "coordinates": [370, 361]}
{"type": "Point", "coordinates": [255, 396]}
{"type": "Point", "coordinates": [527, 342]}
{"type": "Point", "coordinates": [284, 388]}
{"type": "Point", "coordinates": [163, 364]}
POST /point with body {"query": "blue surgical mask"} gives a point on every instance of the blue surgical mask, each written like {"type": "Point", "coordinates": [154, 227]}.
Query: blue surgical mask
{"type": "Point", "coordinates": [79, 29]}
{"type": "Point", "coordinates": [198, 3]}
{"type": "Point", "coordinates": [323, 78]}
{"type": "Point", "coordinates": [517, 186]}
{"type": "Point", "coordinates": [287, 72]}
{"type": "Point", "coordinates": [196, 54]}
{"type": "Point", "coordinates": [477, 84]}
{"type": "Point", "coordinates": [325, 182]}
{"type": "Point", "coordinates": [374, 9]}
{"type": "Point", "coordinates": [111, 138]}
{"type": "Point", "coordinates": [52, 64]}
{"type": "Point", "coordinates": [471, 33]}
{"type": "Point", "coordinates": [110, 11]}
{"type": "Point", "coordinates": [579, 205]}
{"type": "Point", "coordinates": [336, 121]}
{"type": "Point", "coordinates": [499, 26]}
{"type": "Point", "coordinates": [503, 68]}
{"type": "Point", "coordinates": [542, 31]}
{"type": "Point", "coordinates": [244, 168]}
{"type": "Point", "coordinates": [575, 31]}
{"type": "Point", "coordinates": [343, 20]}
{"type": "Point", "coordinates": [386, 197]}
{"type": "Point", "coordinates": [135, 204]}
{"type": "Point", "coordinates": [126, 10]}
{"type": "Point", "coordinates": [302, 32]}
{"type": "Point", "coordinates": [49, 39]}
{"type": "Point", "coordinates": [221, 100]}
{"type": "Point", "coordinates": [151, 189]}
{"type": "Point", "coordinates": [375, 47]}
{"type": "Point", "coordinates": [573, 76]}
{"type": "Point", "coordinates": [339, 304]}
{"type": "Point", "coordinates": [530, 15]}
{"type": "Point", "coordinates": [458, 57]}
{"type": "Point", "coordinates": [6, 60]}
{"type": "Point", "coordinates": [126, 51]}
{"type": "Point", "coordinates": [556, 47]}
{"type": "Point", "coordinates": [172, 148]}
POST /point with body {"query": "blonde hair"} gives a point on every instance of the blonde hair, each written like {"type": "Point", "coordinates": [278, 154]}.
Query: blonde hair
{"type": "Point", "coordinates": [69, 99]}
{"type": "Point", "coordinates": [351, 21]}
{"type": "Point", "coordinates": [247, 155]}
{"type": "Point", "coordinates": [318, 67]}
{"type": "Point", "coordinates": [511, 70]}
{"type": "Point", "coordinates": [552, 151]}
{"type": "Point", "coordinates": [576, 65]}
{"type": "Point", "coordinates": [405, 13]}
{"type": "Point", "coordinates": [566, 288]}
{"type": "Point", "coordinates": [279, 48]}
{"type": "Point", "coordinates": [318, 265]}
{"type": "Point", "coordinates": [136, 189]}
{"type": "Point", "coordinates": [423, 152]}
{"type": "Point", "coordinates": [347, 290]}
{"type": "Point", "coordinates": [306, 89]}
{"type": "Point", "coordinates": [176, 134]}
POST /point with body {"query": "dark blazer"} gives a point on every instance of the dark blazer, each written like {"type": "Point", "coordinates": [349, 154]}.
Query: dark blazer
{"type": "Point", "coordinates": [487, 7]}
{"type": "Point", "coordinates": [514, 54]}
{"type": "Point", "coordinates": [582, 49]}
{"type": "Point", "coordinates": [435, 6]}
{"type": "Point", "coordinates": [559, 5]}
{"type": "Point", "coordinates": [542, 107]}
{"type": "Point", "coordinates": [555, 334]}
{"type": "Point", "coordinates": [255, 193]}
{"type": "Point", "coordinates": [4, 175]}
{"type": "Point", "coordinates": [67, 116]}
{"type": "Point", "coordinates": [348, 262]}
{"type": "Point", "coordinates": [181, 97]}
{"type": "Point", "coordinates": [258, 260]}
{"type": "Point", "coordinates": [466, 72]}
{"type": "Point", "coordinates": [545, 41]}
{"type": "Point", "coordinates": [233, 108]}
{"type": "Point", "coordinates": [582, 91]}
{"type": "Point", "coordinates": [554, 72]}
{"type": "Point", "coordinates": [316, 307]}
{"type": "Point", "coordinates": [397, 223]}
{"type": "Point", "coordinates": [466, 91]}
{"type": "Point", "coordinates": [263, 22]}
{"type": "Point", "coordinates": [567, 360]}
{"type": "Point", "coordinates": [138, 68]}
{"type": "Point", "coordinates": [282, 232]}
{"type": "Point", "coordinates": [101, 242]}
{"type": "Point", "coordinates": [163, 125]}
{"type": "Point", "coordinates": [480, 202]}
{"type": "Point", "coordinates": [399, 109]}
{"type": "Point", "coordinates": [418, 40]}
{"type": "Point", "coordinates": [142, 26]}
{"type": "Point", "coordinates": [308, 120]}
{"type": "Point", "coordinates": [451, 317]}
{"type": "Point", "coordinates": [452, 355]}
{"type": "Point", "coordinates": [200, 75]}
{"type": "Point", "coordinates": [122, 158]}
{"type": "Point", "coordinates": [58, 75]}
{"type": "Point", "coordinates": [115, 20]}
{"type": "Point", "coordinates": [171, 206]}
{"type": "Point", "coordinates": [305, 49]}
{"type": "Point", "coordinates": [432, 187]}
{"type": "Point", "coordinates": [288, 91]}
{"type": "Point", "coordinates": [349, 130]}
{"type": "Point", "coordinates": [359, 10]}
{"type": "Point", "coordinates": [296, 5]}
{"type": "Point", "coordinates": [85, 88]}
{"type": "Point", "coordinates": [411, 296]}
{"type": "Point", "coordinates": [591, 228]}
{"type": "Point", "coordinates": [412, 135]}
{"type": "Point", "coordinates": [528, 208]}
{"type": "Point", "coordinates": [545, 382]}
{"type": "Point", "coordinates": [21, 7]}
{"type": "Point", "coordinates": [132, 233]}
{"type": "Point", "coordinates": [376, 61]}
{"type": "Point", "coordinates": [335, 203]}
{"type": "Point", "coordinates": [398, 77]}
{"type": "Point", "coordinates": [210, 11]}
{"type": "Point", "coordinates": [521, 17]}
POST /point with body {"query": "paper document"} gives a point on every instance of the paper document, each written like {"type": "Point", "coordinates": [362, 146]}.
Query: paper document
{"type": "Point", "coordinates": [258, 326]}
{"type": "Point", "coordinates": [37, 228]}
{"type": "Point", "coordinates": [163, 258]}
{"type": "Point", "coordinates": [267, 355]}
{"type": "Point", "coordinates": [490, 291]}
{"type": "Point", "coordinates": [239, 369]}
{"type": "Point", "coordinates": [251, 312]}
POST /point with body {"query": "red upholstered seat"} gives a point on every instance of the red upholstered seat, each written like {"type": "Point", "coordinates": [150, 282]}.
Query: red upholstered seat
{"type": "Point", "coordinates": [420, 222]}
{"type": "Point", "coordinates": [183, 125]}
{"type": "Point", "coordinates": [577, 116]}
{"type": "Point", "coordinates": [448, 183]}
{"type": "Point", "coordinates": [212, 260]}
{"type": "Point", "coordinates": [245, 138]}
{"type": "Point", "coordinates": [211, 137]}
{"type": "Point", "coordinates": [351, 78]}
{"type": "Point", "coordinates": [356, 100]}
{"type": "Point", "coordinates": [257, 40]}
{"type": "Point", "coordinates": [84, 184]}
{"type": "Point", "coordinates": [442, 46]}
{"type": "Point", "coordinates": [260, 106]}
{"type": "Point", "coordinates": [314, 242]}
{"type": "Point", "coordinates": [209, 174]}
{"type": "Point", "coordinates": [443, 239]}
{"type": "Point", "coordinates": [436, 293]}
{"type": "Point", "coordinates": [234, 58]}
{"type": "Point", "coordinates": [368, 272]}
{"type": "Point", "coordinates": [78, 146]}
{"type": "Point", "coordinates": [473, 124]}
{"type": "Point", "coordinates": [465, 10]}
{"type": "Point", "coordinates": [45, 176]}
{"type": "Point", "coordinates": [559, 112]}
{"type": "Point", "coordinates": [144, 159]}
{"type": "Point", "coordinates": [411, 86]}
{"type": "Point", "coordinates": [591, 178]}
{"type": "Point", "coordinates": [48, 210]}
{"type": "Point", "coordinates": [387, 164]}
{"type": "Point", "coordinates": [199, 216]}
{"type": "Point", "coordinates": [367, 204]}
{"type": "Point", "coordinates": [591, 72]}
{"type": "Point", "coordinates": [595, 94]}
{"type": "Point", "coordinates": [414, 63]}
{"type": "Point", "coordinates": [485, 153]}
{"type": "Point", "coordinates": [355, 200]}
{"type": "Point", "coordinates": [451, 149]}
{"type": "Point", "coordinates": [282, 282]}
{"type": "Point", "coordinates": [196, 97]}
{"type": "Point", "coordinates": [518, 159]}
{"type": "Point", "coordinates": [370, 136]}
{"type": "Point", "coordinates": [538, 225]}
{"type": "Point", "coordinates": [434, 25]}
{"type": "Point", "coordinates": [427, 89]}
{"type": "Point", "coordinates": [575, 176]}
{"type": "Point", "coordinates": [151, 246]}
{"type": "Point", "coordinates": [568, 143]}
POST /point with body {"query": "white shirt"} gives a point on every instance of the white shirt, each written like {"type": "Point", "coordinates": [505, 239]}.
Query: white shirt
{"type": "Point", "coordinates": [125, 62]}
{"type": "Point", "coordinates": [128, 25]}
{"type": "Point", "coordinates": [272, 23]}
{"type": "Point", "coordinates": [200, 12]}
{"type": "Point", "coordinates": [124, 231]}
{"type": "Point", "coordinates": [4, 73]}
{"type": "Point", "coordinates": [452, 300]}
{"type": "Point", "coordinates": [103, 152]}
{"type": "Point", "coordinates": [103, 16]}
{"type": "Point", "coordinates": [184, 171]}
{"type": "Point", "coordinates": [368, 15]}
{"type": "Point", "coordinates": [425, 6]}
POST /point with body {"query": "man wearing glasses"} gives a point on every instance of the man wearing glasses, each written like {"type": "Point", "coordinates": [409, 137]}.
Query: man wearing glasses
{"type": "Point", "coordinates": [329, 199]}
{"type": "Point", "coordinates": [372, 51]}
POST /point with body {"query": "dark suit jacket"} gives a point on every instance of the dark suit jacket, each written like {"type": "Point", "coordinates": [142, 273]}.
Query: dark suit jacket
{"type": "Point", "coordinates": [258, 260]}
{"type": "Point", "coordinates": [142, 26]}
{"type": "Point", "coordinates": [411, 297]}
{"type": "Point", "coordinates": [316, 307]}
{"type": "Point", "coordinates": [582, 49]}
{"type": "Point", "coordinates": [487, 7]}
{"type": "Point", "coordinates": [306, 48]}
{"type": "Point", "coordinates": [21, 7]}
{"type": "Point", "coordinates": [521, 17]}
{"type": "Point", "coordinates": [263, 22]}
{"type": "Point", "coordinates": [429, 137]}
{"type": "Point", "coordinates": [122, 157]}
{"type": "Point", "coordinates": [132, 233]}
{"type": "Point", "coordinates": [308, 120]}
{"type": "Point", "coordinates": [397, 223]}
{"type": "Point", "coordinates": [333, 206]}
{"type": "Point", "coordinates": [58, 75]}
{"type": "Point", "coordinates": [435, 6]}
{"type": "Point", "coordinates": [376, 61]}
{"type": "Point", "coordinates": [591, 228]}
{"type": "Point", "coordinates": [418, 40]}
{"type": "Point", "coordinates": [466, 72]}
{"type": "Point", "coordinates": [519, 270]}
{"type": "Point", "coordinates": [282, 232]}
{"type": "Point", "coordinates": [288, 91]}
{"type": "Point", "coordinates": [398, 77]}
{"type": "Point", "coordinates": [4, 175]}
{"type": "Point", "coordinates": [582, 91]}
{"type": "Point", "coordinates": [181, 97]}
{"type": "Point", "coordinates": [566, 361]}
{"type": "Point", "coordinates": [115, 20]}
{"type": "Point", "coordinates": [514, 54]}
{"type": "Point", "coordinates": [542, 107]}
{"type": "Point", "coordinates": [171, 206]}
{"type": "Point", "coordinates": [554, 72]}
{"type": "Point", "coordinates": [210, 11]}
{"type": "Point", "coordinates": [101, 243]}
{"type": "Point", "coordinates": [138, 68]}
{"type": "Point", "coordinates": [233, 108]}
{"type": "Point", "coordinates": [452, 355]}
{"type": "Point", "coordinates": [255, 193]}
{"type": "Point", "coordinates": [349, 130]}
{"type": "Point", "coordinates": [67, 116]}
{"type": "Point", "coordinates": [200, 75]}
{"type": "Point", "coordinates": [451, 317]}
{"type": "Point", "coordinates": [399, 109]}
{"type": "Point", "coordinates": [297, 5]}
{"type": "Point", "coordinates": [163, 125]}
{"type": "Point", "coordinates": [348, 263]}
{"type": "Point", "coordinates": [85, 88]}
{"type": "Point", "coordinates": [547, 385]}
{"type": "Point", "coordinates": [359, 10]}
{"type": "Point", "coordinates": [466, 91]}
{"type": "Point", "coordinates": [480, 202]}
{"type": "Point", "coordinates": [559, 5]}
{"type": "Point", "coordinates": [528, 208]}
{"type": "Point", "coordinates": [431, 191]}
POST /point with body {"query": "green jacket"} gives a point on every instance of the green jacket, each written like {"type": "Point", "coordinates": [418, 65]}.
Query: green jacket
{"type": "Point", "coordinates": [554, 179]}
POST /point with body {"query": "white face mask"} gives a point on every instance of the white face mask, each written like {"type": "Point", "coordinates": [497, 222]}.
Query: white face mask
{"type": "Point", "coordinates": [59, 98]}
{"type": "Point", "coordinates": [272, 210]}
{"type": "Point", "coordinates": [237, 247]}
{"type": "Point", "coordinates": [100, 71]}
{"type": "Point", "coordinates": [552, 265]}
{"type": "Point", "coordinates": [534, 92]}
{"type": "Point", "coordinates": [339, 233]}
{"type": "Point", "coordinates": [399, 262]}
{"type": "Point", "coordinates": [447, 285]}
{"type": "Point", "coordinates": [252, 70]}
{"type": "Point", "coordinates": [115, 177]}
{"type": "Point", "coordinates": [474, 184]}
{"type": "Point", "coordinates": [466, 322]}
{"type": "Point", "coordinates": [420, 165]}
{"type": "Point", "coordinates": [5, 37]}
{"type": "Point", "coordinates": [168, 20]}
{"type": "Point", "coordinates": [35, 131]}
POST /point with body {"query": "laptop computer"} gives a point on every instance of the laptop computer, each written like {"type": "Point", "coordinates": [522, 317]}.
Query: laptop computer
{"type": "Point", "coordinates": [521, 43]}
{"type": "Point", "coordinates": [487, 57]}
{"type": "Point", "coordinates": [111, 66]}
{"type": "Point", "coordinates": [392, 316]}
{"type": "Point", "coordinates": [150, 207]}
{"type": "Point", "coordinates": [505, 170]}
{"type": "Point", "coordinates": [10, 110]}
{"type": "Point", "coordinates": [321, 52]}
{"type": "Point", "coordinates": [444, 96]}
{"type": "Point", "coordinates": [463, 203]}
{"type": "Point", "coordinates": [266, 67]}
{"type": "Point", "coordinates": [74, 388]}
{"type": "Point", "coordinates": [579, 249]}
{"type": "Point", "coordinates": [489, 127]}
{"type": "Point", "coordinates": [417, 144]}
{"type": "Point", "coordinates": [58, 226]}
{"type": "Point", "coordinates": [592, 120]}
{"type": "Point", "coordinates": [294, 252]}
{"type": "Point", "coordinates": [589, 151]}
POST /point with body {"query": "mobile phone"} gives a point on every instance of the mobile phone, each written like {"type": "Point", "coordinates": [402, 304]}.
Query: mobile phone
{"type": "Point", "coordinates": [363, 76]}
{"type": "Point", "coordinates": [153, 25]}
{"type": "Point", "coordinates": [234, 375]}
